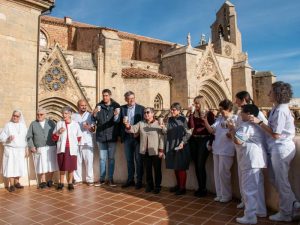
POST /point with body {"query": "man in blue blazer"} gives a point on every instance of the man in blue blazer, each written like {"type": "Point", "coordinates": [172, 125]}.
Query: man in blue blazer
{"type": "Point", "coordinates": [133, 113]}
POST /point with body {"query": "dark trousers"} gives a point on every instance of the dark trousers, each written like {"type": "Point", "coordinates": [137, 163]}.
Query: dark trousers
{"type": "Point", "coordinates": [132, 153]}
{"type": "Point", "coordinates": [155, 162]}
{"type": "Point", "coordinates": [199, 154]}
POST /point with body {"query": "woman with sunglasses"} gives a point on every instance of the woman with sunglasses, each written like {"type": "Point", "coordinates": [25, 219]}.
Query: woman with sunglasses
{"type": "Point", "coordinates": [151, 147]}
{"type": "Point", "coordinates": [177, 151]}
{"type": "Point", "coordinates": [13, 137]}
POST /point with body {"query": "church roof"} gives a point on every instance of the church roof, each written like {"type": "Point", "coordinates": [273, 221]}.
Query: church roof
{"type": "Point", "coordinates": [122, 34]}
{"type": "Point", "coordinates": [128, 73]}
{"type": "Point", "coordinates": [228, 3]}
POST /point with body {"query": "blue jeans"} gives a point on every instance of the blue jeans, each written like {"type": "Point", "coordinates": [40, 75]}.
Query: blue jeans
{"type": "Point", "coordinates": [107, 150]}
{"type": "Point", "coordinates": [132, 153]}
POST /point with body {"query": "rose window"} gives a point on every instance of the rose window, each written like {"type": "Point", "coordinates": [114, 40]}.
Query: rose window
{"type": "Point", "coordinates": [55, 78]}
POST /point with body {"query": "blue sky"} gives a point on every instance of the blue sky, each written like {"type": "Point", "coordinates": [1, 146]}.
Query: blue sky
{"type": "Point", "coordinates": [270, 28]}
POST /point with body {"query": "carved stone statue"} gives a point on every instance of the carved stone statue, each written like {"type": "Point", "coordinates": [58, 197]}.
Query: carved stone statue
{"type": "Point", "coordinates": [189, 39]}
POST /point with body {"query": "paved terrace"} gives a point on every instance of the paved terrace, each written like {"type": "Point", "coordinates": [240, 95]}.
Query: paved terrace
{"type": "Point", "coordinates": [105, 205]}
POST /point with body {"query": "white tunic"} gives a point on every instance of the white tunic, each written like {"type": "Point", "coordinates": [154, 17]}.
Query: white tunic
{"type": "Point", "coordinates": [281, 122]}
{"type": "Point", "coordinates": [73, 132]}
{"type": "Point", "coordinates": [87, 136]}
{"type": "Point", "coordinates": [222, 145]}
{"type": "Point", "coordinates": [14, 151]}
{"type": "Point", "coordinates": [252, 155]}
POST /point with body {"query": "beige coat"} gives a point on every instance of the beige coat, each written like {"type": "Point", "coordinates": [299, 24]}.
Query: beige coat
{"type": "Point", "coordinates": [150, 133]}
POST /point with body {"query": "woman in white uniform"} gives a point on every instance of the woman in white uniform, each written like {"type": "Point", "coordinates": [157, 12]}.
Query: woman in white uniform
{"type": "Point", "coordinates": [242, 98]}
{"type": "Point", "coordinates": [13, 137]}
{"type": "Point", "coordinates": [281, 148]}
{"type": "Point", "coordinates": [223, 151]}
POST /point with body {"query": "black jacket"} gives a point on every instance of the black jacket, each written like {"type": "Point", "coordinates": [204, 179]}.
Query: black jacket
{"type": "Point", "coordinates": [107, 129]}
{"type": "Point", "coordinates": [138, 116]}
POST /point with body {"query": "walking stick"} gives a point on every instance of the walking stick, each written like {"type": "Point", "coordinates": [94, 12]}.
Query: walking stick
{"type": "Point", "coordinates": [28, 175]}
{"type": "Point", "coordinates": [34, 165]}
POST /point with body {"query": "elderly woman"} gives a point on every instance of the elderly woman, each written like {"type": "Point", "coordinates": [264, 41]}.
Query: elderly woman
{"type": "Point", "coordinates": [199, 141]}
{"type": "Point", "coordinates": [281, 148]}
{"type": "Point", "coordinates": [13, 137]}
{"type": "Point", "coordinates": [68, 134]}
{"type": "Point", "coordinates": [151, 147]}
{"type": "Point", "coordinates": [39, 139]}
{"type": "Point", "coordinates": [177, 151]}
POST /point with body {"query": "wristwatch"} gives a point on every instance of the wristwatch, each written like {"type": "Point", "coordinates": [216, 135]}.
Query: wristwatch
{"type": "Point", "coordinates": [260, 122]}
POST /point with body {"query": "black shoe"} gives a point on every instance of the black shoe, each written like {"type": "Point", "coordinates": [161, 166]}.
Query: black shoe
{"type": "Point", "coordinates": [200, 193]}
{"type": "Point", "coordinates": [43, 185]}
{"type": "Point", "coordinates": [148, 189]}
{"type": "Point", "coordinates": [19, 186]}
{"type": "Point", "coordinates": [49, 183]}
{"type": "Point", "coordinates": [156, 191]}
{"type": "Point", "coordinates": [60, 186]}
{"type": "Point", "coordinates": [180, 192]}
{"type": "Point", "coordinates": [174, 189]}
{"type": "Point", "coordinates": [128, 184]}
{"type": "Point", "coordinates": [138, 186]}
{"type": "Point", "coordinates": [70, 187]}
{"type": "Point", "coordinates": [11, 188]}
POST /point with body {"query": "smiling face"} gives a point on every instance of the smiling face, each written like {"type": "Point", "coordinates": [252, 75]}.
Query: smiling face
{"type": "Point", "coordinates": [16, 117]}
{"type": "Point", "coordinates": [245, 116]}
{"type": "Point", "coordinates": [82, 107]}
{"type": "Point", "coordinates": [130, 100]}
{"type": "Point", "coordinates": [40, 116]}
{"type": "Point", "coordinates": [106, 97]}
{"type": "Point", "coordinates": [174, 112]}
{"type": "Point", "coordinates": [67, 116]}
{"type": "Point", "coordinates": [148, 115]}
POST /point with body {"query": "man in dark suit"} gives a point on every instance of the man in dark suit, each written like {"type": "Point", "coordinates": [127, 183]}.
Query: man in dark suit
{"type": "Point", "coordinates": [133, 113]}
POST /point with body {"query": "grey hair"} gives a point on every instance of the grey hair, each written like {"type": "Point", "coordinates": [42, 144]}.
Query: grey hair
{"type": "Point", "coordinates": [176, 106]}
{"type": "Point", "coordinates": [282, 92]}
{"type": "Point", "coordinates": [128, 93]}
{"type": "Point", "coordinates": [150, 109]}
{"type": "Point", "coordinates": [41, 110]}
{"type": "Point", "coordinates": [66, 109]}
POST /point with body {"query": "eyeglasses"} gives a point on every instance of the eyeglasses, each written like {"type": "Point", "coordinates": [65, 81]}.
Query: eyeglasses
{"type": "Point", "coordinates": [40, 114]}
{"type": "Point", "coordinates": [16, 116]}
{"type": "Point", "coordinates": [147, 112]}
{"type": "Point", "coordinates": [173, 109]}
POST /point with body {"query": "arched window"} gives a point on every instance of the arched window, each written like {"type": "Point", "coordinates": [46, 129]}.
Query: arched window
{"type": "Point", "coordinates": [158, 102]}
{"type": "Point", "coordinates": [43, 40]}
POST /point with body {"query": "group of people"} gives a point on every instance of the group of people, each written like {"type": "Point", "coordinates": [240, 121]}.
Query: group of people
{"type": "Point", "coordinates": [257, 142]}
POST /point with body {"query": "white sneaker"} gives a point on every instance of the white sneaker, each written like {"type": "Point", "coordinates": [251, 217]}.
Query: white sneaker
{"type": "Point", "coordinates": [225, 200]}
{"type": "Point", "coordinates": [297, 205]}
{"type": "Point", "coordinates": [217, 199]}
{"type": "Point", "coordinates": [280, 218]}
{"type": "Point", "coordinates": [245, 220]}
{"type": "Point", "coordinates": [240, 206]}
{"type": "Point", "coordinates": [261, 215]}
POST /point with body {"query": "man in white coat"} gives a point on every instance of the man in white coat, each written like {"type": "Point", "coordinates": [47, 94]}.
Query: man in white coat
{"type": "Point", "coordinates": [249, 142]}
{"type": "Point", "coordinates": [85, 148]}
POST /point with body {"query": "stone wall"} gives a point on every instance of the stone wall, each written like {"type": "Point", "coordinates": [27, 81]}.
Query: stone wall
{"type": "Point", "coordinates": [151, 52]}
{"type": "Point", "coordinates": [147, 89]}
{"type": "Point", "coordinates": [128, 49]}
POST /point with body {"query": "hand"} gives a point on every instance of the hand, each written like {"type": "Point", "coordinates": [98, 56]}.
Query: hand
{"type": "Point", "coordinates": [95, 111]}
{"type": "Point", "coordinates": [61, 130]}
{"type": "Point", "coordinates": [254, 119]}
{"type": "Point", "coordinates": [180, 146]}
{"type": "Point", "coordinates": [10, 138]}
{"type": "Point", "coordinates": [161, 155]}
{"type": "Point", "coordinates": [33, 149]}
{"type": "Point", "coordinates": [116, 111]}
{"type": "Point", "coordinates": [209, 147]}
{"type": "Point", "coordinates": [228, 135]}
{"type": "Point", "coordinates": [191, 109]}
{"type": "Point", "coordinates": [127, 125]}
{"type": "Point", "coordinates": [86, 126]}
{"type": "Point", "coordinates": [230, 125]}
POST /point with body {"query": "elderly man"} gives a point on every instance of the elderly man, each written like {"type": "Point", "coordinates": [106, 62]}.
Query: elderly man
{"type": "Point", "coordinates": [44, 149]}
{"type": "Point", "coordinates": [85, 149]}
{"type": "Point", "coordinates": [134, 113]}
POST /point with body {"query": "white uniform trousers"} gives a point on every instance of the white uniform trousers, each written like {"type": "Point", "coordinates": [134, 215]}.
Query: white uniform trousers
{"type": "Point", "coordinates": [279, 176]}
{"type": "Point", "coordinates": [45, 159]}
{"type": "Point", "coordinates": [222, 175]}
{"type": "Point", "coordinates": [86, 155]}
{"type": "Point", "coordinates": [250, 186]}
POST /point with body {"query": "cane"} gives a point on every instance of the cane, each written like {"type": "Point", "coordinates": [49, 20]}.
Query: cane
{"type": "Point", "coordinates": [34, 165]}
{"type": "Point", "coordinates": [28, 175]}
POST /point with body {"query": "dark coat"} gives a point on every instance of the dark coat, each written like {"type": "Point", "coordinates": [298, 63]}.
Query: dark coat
{"type": "Point", "coordinates": [138, 116]}
{"type": "Point", "coordinates": [177, 132]}
{"type": "Point", "coordinates": [107, 129]}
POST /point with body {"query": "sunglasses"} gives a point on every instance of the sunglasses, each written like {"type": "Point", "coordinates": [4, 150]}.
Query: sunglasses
{"type": "Point", "coordinates": [39, 114]}
{"type": "Point", "coordinates": [16, 116]}
{"type": "Point", "coordinates": [147, 112]}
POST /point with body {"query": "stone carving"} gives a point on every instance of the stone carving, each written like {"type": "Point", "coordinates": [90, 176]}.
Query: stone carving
{"type": "Point", "coordinates": [227, 50]}
{"type": "Point", "coordinates": [188, 38]}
